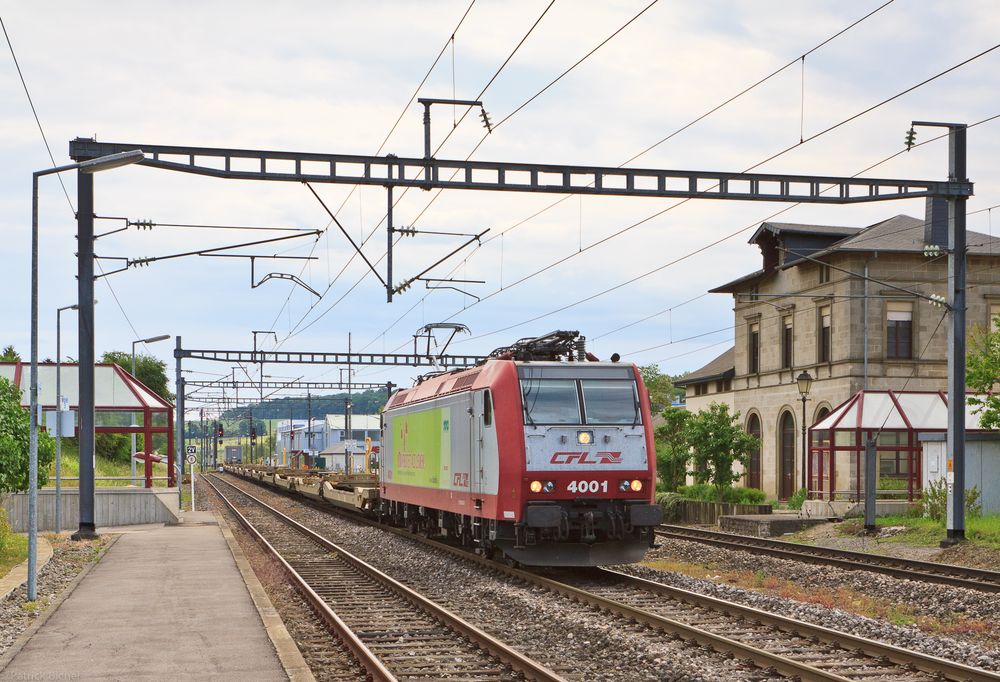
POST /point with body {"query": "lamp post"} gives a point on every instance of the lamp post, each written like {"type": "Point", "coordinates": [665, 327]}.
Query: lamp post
{"type": "Point", "coordinates": [804, 381]}
{"type": "Point", "coordinates": [86, 168]}
{"type": "Point", "coordinates": [152, 339]}
{"type": "Point", "coordinates": [59, 412]}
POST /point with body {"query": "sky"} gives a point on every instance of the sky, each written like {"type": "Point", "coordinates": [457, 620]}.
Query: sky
{"type": "Point", "coordinates": [334, 77]}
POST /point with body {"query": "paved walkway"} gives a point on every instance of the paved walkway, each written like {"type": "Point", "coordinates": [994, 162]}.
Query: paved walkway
{"type": "Point", "coordinates": [165, 603]}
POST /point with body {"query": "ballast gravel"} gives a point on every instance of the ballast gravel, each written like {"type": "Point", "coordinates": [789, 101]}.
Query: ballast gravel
{"type": "Point", "coordinates": [68, 559]}
{"type": "Point", "coordinates": [925, 598]}
{"type": "Point", "coordinates": [575, 641]}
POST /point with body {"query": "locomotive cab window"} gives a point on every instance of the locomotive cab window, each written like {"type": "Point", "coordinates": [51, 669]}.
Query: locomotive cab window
{"type": "Point", "coordinates": [550, 401]}
{"type": "Point", "coordinates": [487, 409]}
{"type": "Point", "coordinates": [610, 402]}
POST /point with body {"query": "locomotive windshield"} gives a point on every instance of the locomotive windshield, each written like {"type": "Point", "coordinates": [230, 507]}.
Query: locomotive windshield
{"type": "Point", "coordinates": [610, 402]}
{"type": "Point", "coordinates": [606, 397]}
{"type": "Point", "coordinates": [551, 401]}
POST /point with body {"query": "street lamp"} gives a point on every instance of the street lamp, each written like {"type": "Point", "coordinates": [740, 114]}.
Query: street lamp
{"type": "Point", "coordinates": [152, 339]}
{"type": "Point", "coordinates": [804, 381]}
{"type": "Point", "coordinates": [87, 167]}
{"type": "Point", "coordinates": [59, 412]}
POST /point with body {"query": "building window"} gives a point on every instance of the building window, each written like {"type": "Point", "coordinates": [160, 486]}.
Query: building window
{"type": "Point", "coordinates": [753, 468]}
{"type": "Point", "coordinates": [753, 349]}
{"type": "Point", "coordinates": [824, 273]}
{"type": "Point", "coordinates": [893, 463]}
{"type": "Point", "coordinates": [700, 389]}
{"type": "Point", "coordinates": [899, 330]}
{"type": "Point", "coordinates": [994, 322]}
{"type": "Point", "coordinates": [825, 322]}
{"type": "Point", "coordinates": [786, 343]}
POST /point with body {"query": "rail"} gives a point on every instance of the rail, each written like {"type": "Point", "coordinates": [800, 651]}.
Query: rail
{"type": "Point", "coordinates": [530, 669]}
{"type": "Point", "coordinates": [936, 667]}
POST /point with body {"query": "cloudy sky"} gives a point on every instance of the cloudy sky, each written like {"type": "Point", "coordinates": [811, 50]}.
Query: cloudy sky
{"type": "Point", "coordinates": [334, 77]}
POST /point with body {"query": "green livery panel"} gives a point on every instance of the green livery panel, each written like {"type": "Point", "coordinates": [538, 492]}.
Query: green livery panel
{"type": "Point", "coordinates": [421, 452]}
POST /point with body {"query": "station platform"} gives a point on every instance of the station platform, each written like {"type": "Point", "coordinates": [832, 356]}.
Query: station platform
{"type": "Point", "coordinates": [164, 602]}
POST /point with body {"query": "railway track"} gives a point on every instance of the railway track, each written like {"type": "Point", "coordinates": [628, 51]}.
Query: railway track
{"type": "Point", "coordinates": [772, 642]}
{"type": "Point", "coordinates": [945, 574]}
{"type": "Point", "coordinates": [394, 632]}
{"type": "Point", "coordinates": [832, 654]}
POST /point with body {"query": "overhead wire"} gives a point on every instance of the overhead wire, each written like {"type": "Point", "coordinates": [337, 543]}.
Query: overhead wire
{"type": "Point", "coordinates": [48, 149]}
{"type": "Point", "coordinates": [381, 146]}
{"type": "Point", "coordinates": [646, 150]}
{"type": "Point", "coordinates": [298, 328]}
{"type": "Point", "coordinates": [661, 212]}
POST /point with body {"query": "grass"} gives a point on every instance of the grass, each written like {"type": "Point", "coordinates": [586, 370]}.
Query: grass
{"type": "Point", "coordinates": [923, 531]}
{"type": "Point", "coordinates": [13, 547]}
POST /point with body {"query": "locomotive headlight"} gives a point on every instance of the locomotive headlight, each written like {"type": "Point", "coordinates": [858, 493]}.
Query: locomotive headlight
{"type": "Point", "coordinates": [536, 486]}
{"type": "Point", "coordinates": [549, 486]}
{"type": "Point", "coordinates": [623, 486]}
{"type": "Point", "coordinates": [584, 437]}
{"type": "Point", "coordinates": [636, 485]}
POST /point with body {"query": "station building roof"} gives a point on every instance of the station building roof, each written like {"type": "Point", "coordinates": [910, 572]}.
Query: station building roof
{"type": "Point", "coordinates": [359, 422]}
{"type": "Point", "coordinates": [895, 411]}
{"type": "Point", "coordinates": [114, 388]}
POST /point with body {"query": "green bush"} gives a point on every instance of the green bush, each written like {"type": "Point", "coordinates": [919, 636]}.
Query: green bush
{"type": "Point", "coordinates": [744, 496]}
{"type": "Point", "coordinates": [669, 502]}
{"type": "Point", "coordinates": [115, 447]}
{"type": "Point", "coordinates": [706, 492]}
{"type": "Point", "coordinates": [796, 500]}
{"type": "Point", "coordinates": [934, 501]}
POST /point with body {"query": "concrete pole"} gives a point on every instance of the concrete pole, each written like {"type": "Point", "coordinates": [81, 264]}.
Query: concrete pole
{"type": "Point", "coordinates": [33, 436]}
{"type": "Point", "coordinates": [179, 426]}
{"type": "Point", "coordinates": [132, 435]}
{"type": "Point", "coordinates": [85, 299]}
{"type": "Point", "coordinates": [956, 340]}
{"type": "Point", "coordinates": [58, 422]}
{"type": "Point", "coordinates": [59, 414]}
{"type": "Point", "coordinates": [871, 478]}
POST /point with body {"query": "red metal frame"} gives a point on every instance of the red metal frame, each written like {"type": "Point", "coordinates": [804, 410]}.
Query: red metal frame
{"type": "Point", "coordinates": [827, 455]}
{"type": "Point", "coordinates": [146, 430]}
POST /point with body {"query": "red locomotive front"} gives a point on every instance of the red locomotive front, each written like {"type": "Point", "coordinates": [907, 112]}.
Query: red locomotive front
{"type": "Point", "coordinates": [546, 462]}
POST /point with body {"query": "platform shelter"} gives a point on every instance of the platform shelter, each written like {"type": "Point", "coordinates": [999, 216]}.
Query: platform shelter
{"type": "Point", "coordinates": [122, 403]}
{"type": "Point", "coordinates": [899, 421]}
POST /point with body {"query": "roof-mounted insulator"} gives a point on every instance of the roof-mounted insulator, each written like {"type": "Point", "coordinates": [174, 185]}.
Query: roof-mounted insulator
{"type": "Point", "coordinates": [483, 114]}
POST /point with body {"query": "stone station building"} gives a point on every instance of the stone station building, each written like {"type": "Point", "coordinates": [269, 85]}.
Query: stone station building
{"type": "Point", "coordinates": [811, 309]}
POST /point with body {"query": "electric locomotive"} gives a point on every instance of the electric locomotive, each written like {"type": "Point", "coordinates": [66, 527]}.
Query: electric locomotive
{"type": "Point", "coordinates": [542, 455]}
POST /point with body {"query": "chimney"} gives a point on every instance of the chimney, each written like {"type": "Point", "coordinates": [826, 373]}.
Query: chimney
{"type": "Point", "coordinates": [936, 221]}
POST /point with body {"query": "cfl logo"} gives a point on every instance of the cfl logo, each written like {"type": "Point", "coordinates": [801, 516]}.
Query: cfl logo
{"type": "Point", "coordinates": [586, 458]}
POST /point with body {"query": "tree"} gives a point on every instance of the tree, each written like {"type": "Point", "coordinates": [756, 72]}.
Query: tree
{"type": "Point", "coordinates": [8, 354]}
{"type": "Point", "coordinates": [718, 442]}
{"type": "Point", "coordinates": [15, 433]}
{"type": "Point", "coordinates": [982, 374]}
{"type": "Point", "coordinates": [672, 449]}
{"type": "Point", "coordinates": [659, 386]}
{"type": "Point", "coordinates": [150, 371]}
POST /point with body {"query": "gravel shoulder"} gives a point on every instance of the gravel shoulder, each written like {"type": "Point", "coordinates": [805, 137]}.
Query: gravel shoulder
{"type": "Point", "coordinates": [69, 558]}
{"type": "Point", "coordinates": [926, 617]}
{"type": "Point", "coordinates": [887, 544]}
{"type": "Point", "coordinates": [572, 639]}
